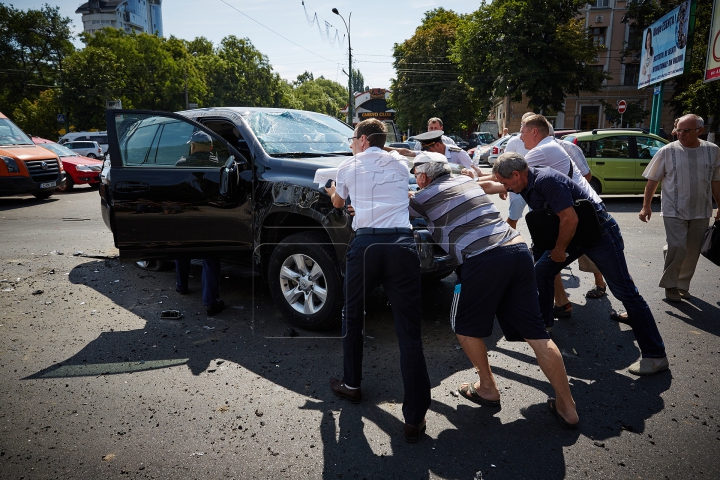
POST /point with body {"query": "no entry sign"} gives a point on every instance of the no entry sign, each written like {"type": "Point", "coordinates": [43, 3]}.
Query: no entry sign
{"type": "Point", "coordinates": [622, 106]}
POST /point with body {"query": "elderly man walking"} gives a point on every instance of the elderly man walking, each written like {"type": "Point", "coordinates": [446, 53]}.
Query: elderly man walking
{"type": "Point", "coordinates": [689, 170]}
{"type": "Point", "coordinates": [541, 186]}
{"type": "Point", "coordinates": [495, 277]}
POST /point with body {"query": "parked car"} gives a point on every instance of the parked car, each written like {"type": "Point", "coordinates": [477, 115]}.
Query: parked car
{"type": "Point", "coordinates": [482, 152]}
{"type": "Point", "coordinates": [26, 168]}
{"type": "Point", "coordinates": [85, 148]}
{"type": "Point", "coordinates": [480, 138]}
{"type": "Point", "coordinates": [459, 142]}
{"type": "Point", "coordinates": [252, 199]}
{"type": "Point", "coordinates": [498, 148]}
{"type": "Point", "coordinates": [100, 137]}
{"type": "Point", "coordinates": [79, 170]}
{"type": "Point", "coordinates": [562, 133]}
{"type": "Point", "coordinates": [617, 158]}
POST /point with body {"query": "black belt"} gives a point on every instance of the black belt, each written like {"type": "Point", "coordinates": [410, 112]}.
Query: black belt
{"type": "Point", "coordinates": [382, 231]}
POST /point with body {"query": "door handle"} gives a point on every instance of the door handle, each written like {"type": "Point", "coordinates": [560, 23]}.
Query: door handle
{"type": "Point", "coordinates": [129, 187]}
{"type": "Point", "coordinates": [599, 163]}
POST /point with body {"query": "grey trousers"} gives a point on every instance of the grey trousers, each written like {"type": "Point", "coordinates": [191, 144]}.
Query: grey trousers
{"type": "Point", "coordinates": [684, 239]}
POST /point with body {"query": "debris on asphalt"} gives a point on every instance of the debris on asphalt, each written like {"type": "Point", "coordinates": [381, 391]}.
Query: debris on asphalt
{"type": "Point", "coordinates": [37, 292]}
{"type": "Point", "coordinates": [454, 393]}
{"type": "Point", "coordinates": [208, 328]}
{"type": "Point", "coordinates": [478, 475]}
{"type": "Point", "coordinates": [108, 457]}
{"type": "Point", "coordinates": [258, 413]}
{"type": "Point", "coordinates": [8, 289]}
{"type": "Point", "coordinates": [292, 332]}
{"type": "Point", "coordinates": [55, 252]}
{"type": "Point", "coordinates": [198, 454]}
{"type": "Point", "coordinates": [599, 444]}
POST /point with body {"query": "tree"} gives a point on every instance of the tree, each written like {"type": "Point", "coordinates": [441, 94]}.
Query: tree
{"type": "Point", "coordinates": [39, 117]}
{"type": "Point", "coordinates": [358, 81]}
{"type": "Point", "coordinates": [427, 83]}
{"type": "Point", "coordinates": [321, 95]}
{"type": "Point", "coordinates": [690, 93]}
{"type": "Point", "coordinates": [524, 47]}
{"type": "Point", "coordinates": [634, 113]}
{"type": "Point", "coordinates": [34, 46]}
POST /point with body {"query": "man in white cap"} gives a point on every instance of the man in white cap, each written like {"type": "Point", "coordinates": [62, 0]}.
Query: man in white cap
{"type": "Point", "coordinates": [464, 221]}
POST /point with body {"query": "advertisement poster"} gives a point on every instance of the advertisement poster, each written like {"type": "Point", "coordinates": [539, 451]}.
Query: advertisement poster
{"type": "Point", "coordinates": [712, 65]}
{"type": "Point", "coordinates": [664, 45]}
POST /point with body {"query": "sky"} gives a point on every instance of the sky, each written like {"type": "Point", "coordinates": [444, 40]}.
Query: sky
{"type": "Point", "coordinates": [291, 44]}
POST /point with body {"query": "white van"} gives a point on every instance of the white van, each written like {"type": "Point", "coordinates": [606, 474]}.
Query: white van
{"type": "Point", "coordinates": [99, 137]}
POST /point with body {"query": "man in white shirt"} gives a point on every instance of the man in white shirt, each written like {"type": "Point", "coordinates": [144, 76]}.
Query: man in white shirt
{"type": "Point", "coordinates": [689, 169]}
{"type": "Point", "coordinates": [435, 124]}
{"type": "Point", "coordinates": [383, 251]}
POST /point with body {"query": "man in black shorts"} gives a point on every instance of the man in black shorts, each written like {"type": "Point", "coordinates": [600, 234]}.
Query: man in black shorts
{"type": "Point", "coordinates": [495, 277]}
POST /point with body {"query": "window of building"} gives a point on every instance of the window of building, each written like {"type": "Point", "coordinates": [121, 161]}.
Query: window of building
{"type": "Point", "coordinates": [632, 73]}
{"type": "Point", "coordinates": [601, 3]}
{"type": "Point", "coordinates": [598, 35]}
{"type": "Point", "coordinates": [589, 117]}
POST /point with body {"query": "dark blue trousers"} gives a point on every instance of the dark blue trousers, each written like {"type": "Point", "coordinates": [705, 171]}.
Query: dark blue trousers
{"type": "Point", "coordinates": [210, 278]}
{"type": "Point", "coordinates": [391, 260]}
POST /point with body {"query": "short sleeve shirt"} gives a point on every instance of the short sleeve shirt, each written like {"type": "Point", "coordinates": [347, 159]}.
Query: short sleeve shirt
{"type": "Point", "coordinates": [577, 155]}
{"type": "Point", "coordinates": [686, 175]}
{"type": "Point", "coordinates": [377, 183]}
{"type": "Point", "coordinates": [516, 145]}
{"type": "Point", "coordinates": [458, 156]}
{"type": "Point", "coordinates": [547, 185]}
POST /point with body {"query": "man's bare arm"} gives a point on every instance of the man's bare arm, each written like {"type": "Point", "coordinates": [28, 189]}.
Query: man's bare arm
{"type": "Point", "coordinates": [716, 196]}
{"type": "Point", "coordinates": [646, 211]}
{"type": "Point", "coordinates": [337, 200]}
{"type": "Point", "coordinates": [492, 187]}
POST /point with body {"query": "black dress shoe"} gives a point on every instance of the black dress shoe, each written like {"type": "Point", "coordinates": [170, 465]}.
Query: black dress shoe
{"type": "Point", "coordinates": [182, 291]}
{"type": "Point", "coordinates": [342, 391]}
{"type": "Point", "coordinates": [216, 308]}
{"type": "Point", "coordinates": [413, 432]}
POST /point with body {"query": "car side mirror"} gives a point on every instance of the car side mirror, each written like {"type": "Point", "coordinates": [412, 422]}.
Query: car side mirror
{"type": "Point", "coordinates": [229, 178]}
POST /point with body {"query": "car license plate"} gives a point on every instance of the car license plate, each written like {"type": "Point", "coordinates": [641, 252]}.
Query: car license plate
{"type": "Point", "coordinates": [48, 184]}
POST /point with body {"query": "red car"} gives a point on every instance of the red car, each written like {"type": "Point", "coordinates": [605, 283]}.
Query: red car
{"type": "Point", "coordinates": [80, 170]}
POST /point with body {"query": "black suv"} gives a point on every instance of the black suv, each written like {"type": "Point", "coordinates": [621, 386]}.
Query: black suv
{"type": "Point", "coordinates": [250, 198]}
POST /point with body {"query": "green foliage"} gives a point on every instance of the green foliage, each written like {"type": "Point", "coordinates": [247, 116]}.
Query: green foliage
{"type": "Point", "coordinates": [31, 62]}
{"type": "Point", "coordinates": [39, 117]}
{"type": "Point", "coordinates": [516, 47]}
{"type": "Point", "coordinates": [358, 81]}
{"type": "Point", "coordinates": [634, 113]}
{"type": "Point", "coordinates": [322, 95]}
{"type": "Point", "coordinates": [427, 83]}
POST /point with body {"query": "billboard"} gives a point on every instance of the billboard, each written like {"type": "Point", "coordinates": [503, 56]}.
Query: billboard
{"type": "Point", "coordinates": [664, 46]}
{"type": "Point", "coordinates": [712, 64]}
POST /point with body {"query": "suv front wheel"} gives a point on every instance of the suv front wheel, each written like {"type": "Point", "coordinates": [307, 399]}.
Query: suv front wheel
{"type": "Point", "coordinates": [305, 281]}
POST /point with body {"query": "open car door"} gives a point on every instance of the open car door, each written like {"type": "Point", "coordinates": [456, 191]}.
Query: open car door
{"type": "Point", "coordinates": [174, 188]}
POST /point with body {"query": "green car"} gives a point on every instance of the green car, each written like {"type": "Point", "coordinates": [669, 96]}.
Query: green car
{"type": "Point", "coordinates": [617, 158]}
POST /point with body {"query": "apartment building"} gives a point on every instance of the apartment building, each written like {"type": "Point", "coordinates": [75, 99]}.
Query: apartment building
{"type": "Point", "coordinates": [129, 15]}
{"type": "Point", "coordinates": [585, 112]}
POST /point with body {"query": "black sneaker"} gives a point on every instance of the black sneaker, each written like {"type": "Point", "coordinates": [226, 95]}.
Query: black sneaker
{"type": "Point", "coordinates": [216, 308]}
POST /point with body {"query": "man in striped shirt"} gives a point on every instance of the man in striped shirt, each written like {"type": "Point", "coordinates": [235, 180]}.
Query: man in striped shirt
{"type": "Point", "coordinates": [495, 277]}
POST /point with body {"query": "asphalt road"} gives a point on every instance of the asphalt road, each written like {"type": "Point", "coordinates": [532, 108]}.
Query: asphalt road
{"type": "Point", "coordinates": [95, 385]}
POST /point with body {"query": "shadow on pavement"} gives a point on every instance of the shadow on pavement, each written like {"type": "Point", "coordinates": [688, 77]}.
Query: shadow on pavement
{"type": "Point", "coordinates": [253, 334]}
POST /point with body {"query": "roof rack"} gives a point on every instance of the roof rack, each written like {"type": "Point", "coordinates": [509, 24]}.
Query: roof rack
{"type": "Point", "coordinates": [595, 131]}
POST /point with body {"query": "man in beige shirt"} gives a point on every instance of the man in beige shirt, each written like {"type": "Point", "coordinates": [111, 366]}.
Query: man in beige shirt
{"type": "Point", "coordinates": [690, 173]}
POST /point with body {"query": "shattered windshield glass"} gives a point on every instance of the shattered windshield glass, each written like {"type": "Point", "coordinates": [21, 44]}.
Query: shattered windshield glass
{"type": "Point", "coordinates": [300, 132]}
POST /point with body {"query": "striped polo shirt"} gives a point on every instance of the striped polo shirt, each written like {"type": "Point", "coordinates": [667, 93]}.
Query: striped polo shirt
{"type": "Point", "coordinates": [462, 218]}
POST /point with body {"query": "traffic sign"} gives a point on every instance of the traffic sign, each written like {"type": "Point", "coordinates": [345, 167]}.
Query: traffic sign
{"type": "Point", "coordinates": [60, 118]}
{"type": "Point", "coordinates": [622, 106]}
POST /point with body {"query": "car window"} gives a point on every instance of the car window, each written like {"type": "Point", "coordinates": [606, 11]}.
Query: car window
{"type": "Point", "coordinates": [585, 147]}
{"type": "Point", "coordinates": [647, 147]}
{"type": "Point", "coordinates": [299, 132]}
{"type": "Point", "coordinates": [612, 147]}
{"type": "Point", "coordinates": [148, 140]}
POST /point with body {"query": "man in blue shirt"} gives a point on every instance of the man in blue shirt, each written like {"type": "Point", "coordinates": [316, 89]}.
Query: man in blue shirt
{"type": "Point", "coordinates": [541, 186]}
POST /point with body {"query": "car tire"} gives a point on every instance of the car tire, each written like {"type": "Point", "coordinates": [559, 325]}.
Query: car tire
{"type": "Point", "coordinates": [154, 265]}
{"type": "Point", "coordinates": [69, 185]}
{"type": "Point", "coordinates": [43, 195]}
{"type": "Point", "coordinates": [595, 184]}
{"type": "Point", "coordinates": [91, 155]}
{"type": "Point", "coordinates": [305, 281]}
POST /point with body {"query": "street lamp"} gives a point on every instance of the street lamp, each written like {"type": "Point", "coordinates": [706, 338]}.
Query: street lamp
{"type": "Point", "coordinates": [350, 90]}
{"type": "Point", "coordinates": [47, 32]}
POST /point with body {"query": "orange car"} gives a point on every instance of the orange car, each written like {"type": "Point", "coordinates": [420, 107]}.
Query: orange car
{"type": "Point", "coordinates": [26, 168]}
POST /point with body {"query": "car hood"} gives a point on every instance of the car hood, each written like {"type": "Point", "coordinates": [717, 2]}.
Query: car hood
{"type": "Point", "coordinates": [27, 152]}
{"type": "Point", "coordinates": [80, 161]}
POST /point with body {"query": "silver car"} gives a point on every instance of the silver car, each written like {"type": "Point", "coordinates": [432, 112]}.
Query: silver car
{"type": "Point", "coordinates": [498, 148]}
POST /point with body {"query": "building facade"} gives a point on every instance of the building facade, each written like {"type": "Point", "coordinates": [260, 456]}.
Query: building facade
{"type": "Point", "coordinates": [128, 15]}
{"type": "Point", "coordinates": [603, 18]}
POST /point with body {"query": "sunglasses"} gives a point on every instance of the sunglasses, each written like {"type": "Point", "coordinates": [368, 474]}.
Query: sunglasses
{"type": "Point", "coordinates": [686, 130]}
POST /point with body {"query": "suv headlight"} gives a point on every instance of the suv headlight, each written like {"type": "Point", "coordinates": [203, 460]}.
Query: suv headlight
{"type": "Point", "coordinates": [11, 164]}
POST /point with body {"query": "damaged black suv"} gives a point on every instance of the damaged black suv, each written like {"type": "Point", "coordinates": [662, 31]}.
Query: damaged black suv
{"type": "Point", "coordinates": [248, 197]}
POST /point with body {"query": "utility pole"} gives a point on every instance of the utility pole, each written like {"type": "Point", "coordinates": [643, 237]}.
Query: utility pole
{"type": "Point", "coordinates": [351, 97]}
